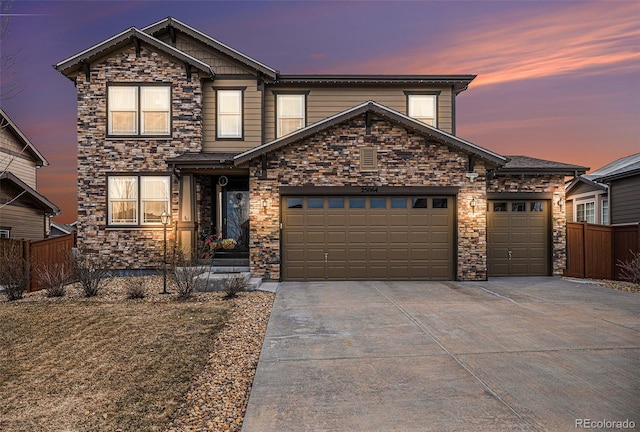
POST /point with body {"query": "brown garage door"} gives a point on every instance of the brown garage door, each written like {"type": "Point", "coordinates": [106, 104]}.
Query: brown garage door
{"type": "Point", "coordinates": [367, 238]}
{"type": "Point", "coordinates": [518, 238]}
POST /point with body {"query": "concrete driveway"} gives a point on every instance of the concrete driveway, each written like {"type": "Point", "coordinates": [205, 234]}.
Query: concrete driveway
{"type": "Point", "coordinates": [506, 355]}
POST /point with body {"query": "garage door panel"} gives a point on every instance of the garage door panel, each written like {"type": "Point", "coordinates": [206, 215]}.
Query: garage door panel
{"type": "Point", "coordinates": [368, 243]}
{"type": "Point", "coordinates": [519, 241]}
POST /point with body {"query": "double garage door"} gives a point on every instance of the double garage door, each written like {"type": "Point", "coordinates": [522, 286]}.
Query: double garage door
{"type": "Point", "coordinates": [368, 237]}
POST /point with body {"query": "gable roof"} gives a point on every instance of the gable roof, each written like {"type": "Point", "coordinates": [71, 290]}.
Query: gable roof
{"type": "Point", "coordinates": [74, 63]}
{"type": "Point", "coordinates": [529, 165]}
{"type": "Point", "coordinates": [623, 167]}
{"type": "Point", "coordinates": [383, 111]}
{"type": "Point", "coordinates": [5, 121]}
{"type": "Point", "coordinates": [171, 22]}
{"type": "Point", "coordinates": [39, 200]}
{"type": "Point", "coordinates": [620, 168]}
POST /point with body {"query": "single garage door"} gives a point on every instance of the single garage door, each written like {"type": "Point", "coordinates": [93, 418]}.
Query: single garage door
{"type": "Point", "coordinates": [367, 238]}
{"type": "Point", "coordinates": [518, 238]}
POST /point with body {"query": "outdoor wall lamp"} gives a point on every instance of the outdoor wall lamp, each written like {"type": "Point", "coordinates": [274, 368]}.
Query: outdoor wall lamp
{"type": "Point", "coordinates": [265, 203]}
{"type": "Point", "coordinates": [164, 219]}
{"type": "Point", "coordinates": [560, 202]}
{"type": "Point", "coordinates": [473, 203]}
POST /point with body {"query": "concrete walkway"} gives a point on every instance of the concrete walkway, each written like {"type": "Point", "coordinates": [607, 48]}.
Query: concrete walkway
{"type": "Point", "coordinates": [505, 355]}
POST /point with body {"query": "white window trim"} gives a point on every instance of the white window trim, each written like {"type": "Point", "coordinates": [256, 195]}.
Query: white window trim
{"type": "Point", "coordinates": [5, 233]}
{"type": "Point", "coordinates": [431, 121]}
{"type": "Point", "coordinates": [240, 114]}
{"type": "Point", "coordinates": [279, 116]}
{"type": "Point", "coordinates": [139, 200]}
{"type": "Point", "coordinates": [584, 203]}
{"type": "Point", "coordinates": [138, 123]}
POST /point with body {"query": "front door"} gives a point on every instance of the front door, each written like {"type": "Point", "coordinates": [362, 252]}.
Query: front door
{"type": "Point", "coordinates": [235, 212]}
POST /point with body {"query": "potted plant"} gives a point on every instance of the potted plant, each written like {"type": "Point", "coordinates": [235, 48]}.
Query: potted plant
{"type": "Point", "coordinates": [228, 243]}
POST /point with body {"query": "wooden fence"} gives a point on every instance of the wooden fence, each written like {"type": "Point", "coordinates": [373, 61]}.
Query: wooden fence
{"type": "Point", "coordinates": [594, 251]}
{"type": "Point", "coordinates": [54, 250]}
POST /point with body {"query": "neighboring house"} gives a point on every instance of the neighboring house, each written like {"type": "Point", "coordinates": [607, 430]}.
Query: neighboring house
{"type": "Point", "coordinates": [315, 176]}
{"type": "Point", "coordinates": [60, 229]}
{"type": "Point", "coordinates": [609, 195]}
{"type": "Point", "coordinates": [24, 213]}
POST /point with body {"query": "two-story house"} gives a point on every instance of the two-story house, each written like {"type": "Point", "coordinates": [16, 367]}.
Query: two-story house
{"type": "Point", "coordinates": [24, 212]}
{"type": "Point", "coordinates": [315, 176]}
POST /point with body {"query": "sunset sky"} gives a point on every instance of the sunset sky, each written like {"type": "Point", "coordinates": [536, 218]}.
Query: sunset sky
{"type": "Point", "coordinates": [557, 80]}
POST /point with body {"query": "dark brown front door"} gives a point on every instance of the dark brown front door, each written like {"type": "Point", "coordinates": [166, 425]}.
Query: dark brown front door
{"type": "Point", "coordinates": [518, 238]}
{"type": "Point", "coordinates": [367, 238]}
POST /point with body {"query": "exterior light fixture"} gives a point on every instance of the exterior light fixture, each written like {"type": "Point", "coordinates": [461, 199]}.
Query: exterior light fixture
{"type": "Point", "coordinates": [164, 219]}
{"type": "Point", "coordinates": [265, 203]}
{"type": "Point", "coordinates": [560, 202]}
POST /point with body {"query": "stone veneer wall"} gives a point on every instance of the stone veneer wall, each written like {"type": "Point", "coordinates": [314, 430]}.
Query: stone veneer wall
{"type": "Point", "coordinates": [123, 248]}
{"type": "Point", "coordinates": [331, 158]}
{"type": "Point", "coordinates": [542, 183]}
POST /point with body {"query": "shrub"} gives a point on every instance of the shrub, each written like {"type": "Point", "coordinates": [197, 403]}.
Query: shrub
{"type": "Point", "coordinates": [54, 277]}
{"type": "Point", "coordinates": [15, 271]}
{"type": "Point", "coordinates": [87, 271]}
{"type": "Point", "coordinates": [183, 273]}
{"type": "Point", "coordinates": [630, 270]}
{"type": "Point", "coordinates": [232, 285]}
{"type": "Point", "coordinates": [135, 286]}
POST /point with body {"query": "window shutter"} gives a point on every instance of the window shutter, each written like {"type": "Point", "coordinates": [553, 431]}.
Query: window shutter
{"type": "Point", "coordinates": [368, 159]}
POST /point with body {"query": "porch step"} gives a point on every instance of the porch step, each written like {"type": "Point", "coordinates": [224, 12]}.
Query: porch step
{"type": "Point", "coordinates": [225, 262]}
{"type": "Point", "coordinates": [214, 280]}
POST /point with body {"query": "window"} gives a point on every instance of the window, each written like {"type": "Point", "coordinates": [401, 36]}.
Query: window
{"type": "Point", "coordinates": [137, 200]}
{"type": "Point", "coordinates": [440, 203]}
{"type": "Point", "coordinates": [377, 203]}
{"type": "Point", "coordinates": [5, 233]}
{"type": "Point", "coordinates": [518, 207]}
{"type": "Point", "coordinates": [418, 203]}
{"type": "Point", "coordinates": [336, 203]}
{"type": "Point", "coordinates": [422, 107]}
{"type": "Point", "coordinates": [229, 122]}
{"type": "Point", "coordinates": [398, 203]}
{"type": "Point", "coordinates": [315, 203]}
{"type": "Point", "coordinates": [139, 110]}
{"type": "Point", "coordinates": [537, 206]}
{"type": "Point", "coordinates": [356, 203]}
{"type": "Point", "coordinates": [586, 212]}
{"type": "Point", "coordinates": [294, 203]}
{"type": "Point", "coordinates": [290, 113]}
{"type": "Point", "coordinates": [500, 207]}
{"type": "Point", "coordinates": [605, 212]}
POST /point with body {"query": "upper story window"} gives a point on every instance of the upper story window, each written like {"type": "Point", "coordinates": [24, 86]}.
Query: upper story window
{"type": "Point", "coordinates": [5, 233]}
{"type": "Point", "coordinates": [139, 110]}
{"type": "Point", "coordinates": [605, 212]}
{"type": "Point", "coordinates": [229, 109]}
{"type": "Point", "coordinates": [291, 110]}
{"type": "Point", "coordinates": [137, 200]}
{"type": "Point", "coordinates": [423, 107]}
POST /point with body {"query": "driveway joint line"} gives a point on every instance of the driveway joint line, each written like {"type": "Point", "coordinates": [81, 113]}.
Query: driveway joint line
{"type": "Point", "coordinates": [456, 359]}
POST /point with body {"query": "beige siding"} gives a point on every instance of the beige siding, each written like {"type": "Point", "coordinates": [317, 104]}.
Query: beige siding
{"type": "Point", "coordinates": [323, 102]}
{"type": "Point", "coordinates": [14, 160]}
{"type": "Point", "coordinates": [251, 114]}
{"type": "Point", "coordinates": [25, 223]}
{"type": "Point", "coordinates": [220, 63]}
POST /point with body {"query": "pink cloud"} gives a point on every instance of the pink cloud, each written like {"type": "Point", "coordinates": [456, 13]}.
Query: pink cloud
{"type": "Point", "coordinates": [532, 45]}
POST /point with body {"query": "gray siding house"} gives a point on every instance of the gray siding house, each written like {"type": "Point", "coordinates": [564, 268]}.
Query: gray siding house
{"type": "Point", "coordinates": [24, 212]}
{"type": "Point", "coordinates": [607, 196]}
{"type": "Point", "coordinates": [313, 177]}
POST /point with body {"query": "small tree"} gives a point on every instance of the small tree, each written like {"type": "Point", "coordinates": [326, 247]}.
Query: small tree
{"type": "Point", "coordinates": [87, 270]}
{"type": "Point", "coordinates": [232, 285]}
{"type": "Point", "coordinates": [54, 277]}
{"type": "Point", "coordinates": [183, 273]}
{"type": "Point", "coordinates": [630, 270]}
{"type": "Point", "coordinates": [135, 286]}
{"type": "Point", "coordinates": [15, 271]}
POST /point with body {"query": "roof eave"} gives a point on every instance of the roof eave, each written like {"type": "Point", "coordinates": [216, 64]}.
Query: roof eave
{"type": "Point", "coordinates": [39, 159]}
{"type": "Point", "coordinates": [619, 176]}
{"type": "Point", "coordinates": [382, 111]}
{"type": "Point", "coordinates": [44, 202]}
{"type": "Point", "coordinates": [214, 43]}
{"type": "Point", "coordinates": [72, 64]}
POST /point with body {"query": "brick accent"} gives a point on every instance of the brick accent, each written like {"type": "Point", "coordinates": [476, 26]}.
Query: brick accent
{"type": "Point", "coordinates": [542, 183]}
{"type": "Point", "coordinates": [330, 158]}
{"type": "Point", "coordinates": [98, 155]}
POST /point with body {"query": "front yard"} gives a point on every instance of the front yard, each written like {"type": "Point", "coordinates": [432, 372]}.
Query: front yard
{"type": "Point", "coordinates": [109, 363]}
